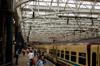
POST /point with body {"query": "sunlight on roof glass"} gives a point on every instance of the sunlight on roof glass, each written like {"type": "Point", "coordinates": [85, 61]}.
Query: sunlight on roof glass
{"type": "Point", "coordinates": [54, 4]}
{"type": "Point", "coordinates": [87, 2]}
{"type": "Point", "coordinates": [83, 15]}
{"type": "Point", "coordinates": [41, 12]}
{"type": "Point", "coordinates": [89, 6]}
{"type": "Point", "coordinates": [30, 3]}
{"type": "Point", "coordinates": [47, 0]}
{"type": "Point", "coordinates": [82, 6]}
{"type": "Point", "coordinates": [70, 1]}
{"type": "Point", "coordinates": [61, 4]}
{"type": "Point", "coordinates": [71, 15]}
{"type": "Point", "coordinates": [97, 7]}
{"type": "Point", "coordinates": [71, 5]}
{"type": "Point", "coordinates": [42, 3]}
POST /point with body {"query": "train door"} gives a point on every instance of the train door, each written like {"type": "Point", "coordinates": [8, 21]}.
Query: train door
{"type": "Point", "coordinates": [98, 56]}
{"type": "Point", "coordinates": [95, 55]}
{"type": "Point", "coordinates": [55, 54]}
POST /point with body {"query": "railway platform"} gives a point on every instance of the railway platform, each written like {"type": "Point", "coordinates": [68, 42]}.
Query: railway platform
{"type": "Point", "coordinates": [24, 61]}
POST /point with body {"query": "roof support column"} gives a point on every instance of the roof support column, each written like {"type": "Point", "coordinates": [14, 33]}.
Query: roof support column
{"type": "Point", "coordinates": [9, 38]}
{"type": "Point", "coordinates": [16, 37]}
{"type": "Point", "coordinates": [1, 39]}
{"type": "Point", "coordinates": [20, 46]}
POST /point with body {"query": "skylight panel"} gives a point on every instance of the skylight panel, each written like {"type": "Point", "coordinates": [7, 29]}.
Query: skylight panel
{"type": "Point", "coordinates": [94, 15]}
{"type": "Point", "coordinates": [71, 15]}
{"type": "Point", "coordinates": [89, 7]}
{"type": "Point", "coordinates": [42, 3]}
{"type": "Point", "coordinates": [82, 6]}
{"type": "Point", "coordinates": [54, 4]}
{"type": "Point", "coordinates": [47, 0]}
{"type": "Point", "coordinates": [70, 1]}
{"type": "Point", "coordinates": [98, 3]}
{"type": "Point", "coordinates": [61, 4]}
{"type": "Point", "coordinates": [54, 0]}
{"type": "Point", "coordinates": [22, 5]}
{"type": "Point", "coordinates": [72, 5]}
{"type": "Point", "coordinates": [30, 3]}
{"type": "Point", "coordinates": [65, 14]}
{"type": "Point", "coordinates": [41, 12]}
{"type": "Point", "coordinates": [82, 15]}
{"type": "Point", "coordinates": [26, 7]}
{"type": "Point", "coordinates": [97, 7]}
{"type": "Point", "coordinates": [28, 12]}
{"type": "Point", "coordinates": [87, 3]}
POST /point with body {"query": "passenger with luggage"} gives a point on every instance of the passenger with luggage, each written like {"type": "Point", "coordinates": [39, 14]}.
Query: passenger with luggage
{"type": "Point", "coordinates": [31, 57]}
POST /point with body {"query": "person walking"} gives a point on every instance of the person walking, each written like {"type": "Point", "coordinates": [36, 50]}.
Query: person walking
{"type": "Point", "coordinates": [40, 61]}
{"type": "Point", "coordinates": [31, 57]}
{"type": "Point", "coordinates": [17, 55]}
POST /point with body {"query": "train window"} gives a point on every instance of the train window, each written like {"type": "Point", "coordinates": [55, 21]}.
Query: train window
{"type": "Point", "coordinates": [82, 61]}
{"type": "Point", "coordinates": [58, 54]}
{"type": "Point", "coordinates": [67, 57]}
{"type": "Point", "coordinates": [54, 52]}
{"type": "Point", "coordinates": [93, 59]}
{"type": "Point", "coordinates": [62, 51]}
{"type": "Point", "coordinates": [82, 54]}
{"type": "Point", "coordinates": [73, 58]}
{"type": "Point", "coordinates": [51, 53]}
{"type": "Point", "coordinates": [45, 50]}
{"type": "Point", "coordinates": [51, 49]}
{"type": "Point", "coordinates": [73, 53]}
{"type": "Point", "coordinates": [62, 55]}
{"type": "Point", "coordinates": [67, 52]}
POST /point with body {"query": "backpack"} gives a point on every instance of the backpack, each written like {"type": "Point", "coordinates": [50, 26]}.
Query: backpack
{"type": "Point", "coordinates": [44, 61]}
{"type": "Point", "coordinates": [28, 50]}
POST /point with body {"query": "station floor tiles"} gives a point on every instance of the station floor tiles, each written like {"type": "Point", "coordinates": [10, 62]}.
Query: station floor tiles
{"type": "Point", "coordinates": [24, 61]}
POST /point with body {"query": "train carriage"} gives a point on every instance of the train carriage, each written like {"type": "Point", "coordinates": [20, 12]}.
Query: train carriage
{"type": "Point", "coordinates": [81, 54]}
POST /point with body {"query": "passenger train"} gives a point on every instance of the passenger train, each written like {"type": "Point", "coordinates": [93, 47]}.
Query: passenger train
{"type": "Point", "coordinates": [80, 54]}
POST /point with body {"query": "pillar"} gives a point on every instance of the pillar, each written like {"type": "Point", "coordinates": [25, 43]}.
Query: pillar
{"type": "Point", "coordinates": [16, 37]}
{"type": "Point", "coordinates": [9, 38]}
{"type": "Point", "coordinates": [1, 42]}
{"type": "Point", "coordinates": [20, 46]}
{"type": "Point", "coordinates": [22, 42]}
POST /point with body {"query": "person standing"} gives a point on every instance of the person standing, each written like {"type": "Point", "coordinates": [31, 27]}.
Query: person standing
{"type": "Point", "coordinates": [17, 55]}
{"type": "Point", "coordinates": [24, 52]}
{"type": "Point", "coordinates": [31, 57]}
{"type": "Point", "coordinates": [40, 61]}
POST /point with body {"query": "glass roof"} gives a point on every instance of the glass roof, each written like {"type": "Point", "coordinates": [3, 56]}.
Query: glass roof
{"type": "Point", "coordinates": [59, 17]}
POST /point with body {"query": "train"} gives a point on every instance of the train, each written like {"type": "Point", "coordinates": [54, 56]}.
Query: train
{"type": "Point", "coordinates": [80, 54]}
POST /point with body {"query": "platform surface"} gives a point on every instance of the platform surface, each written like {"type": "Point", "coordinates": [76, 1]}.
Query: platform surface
{"type": "Point", "coordinates": [24, 61]}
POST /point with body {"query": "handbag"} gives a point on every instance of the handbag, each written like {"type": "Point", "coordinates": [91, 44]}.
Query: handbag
{"type": "Point", "coordinates": [33, 62]}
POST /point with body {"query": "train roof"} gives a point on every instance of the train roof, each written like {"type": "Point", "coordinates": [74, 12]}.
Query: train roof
{"type": "Point", "coordinates": [94, 43]}
{"type": "Point", "coordinates": [81, 42]}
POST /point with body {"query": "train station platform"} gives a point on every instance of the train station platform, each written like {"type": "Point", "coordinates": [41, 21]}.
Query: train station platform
{"type": "Point", "coordinates": [24, 61]}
